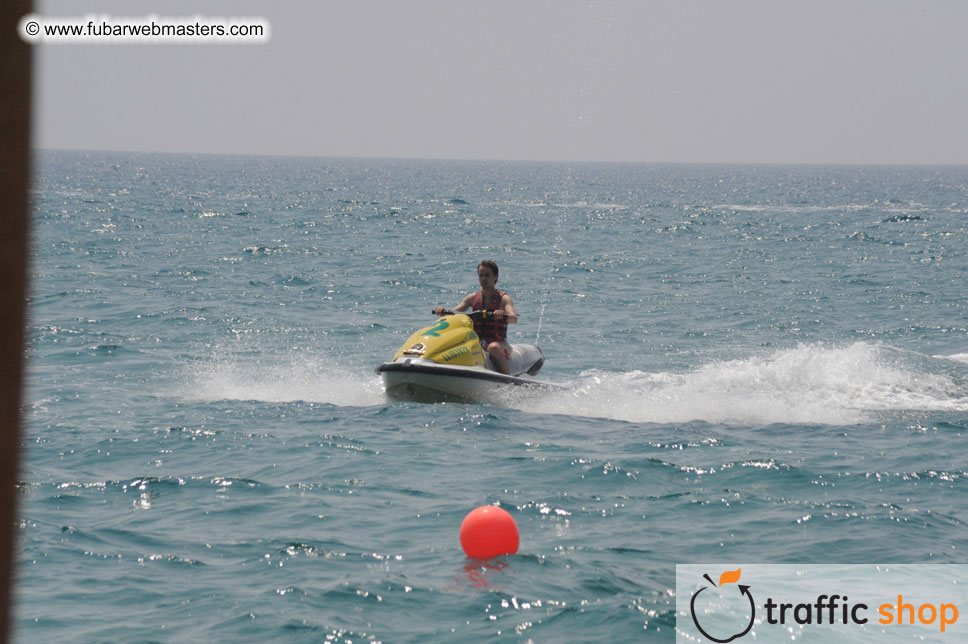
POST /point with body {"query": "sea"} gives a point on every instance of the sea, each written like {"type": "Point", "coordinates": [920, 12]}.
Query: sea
{"type": "Point", "coordinates": [762, 363]}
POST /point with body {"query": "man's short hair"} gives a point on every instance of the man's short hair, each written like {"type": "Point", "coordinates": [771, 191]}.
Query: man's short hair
{"type": "Point", "coordinates": [490, 264]}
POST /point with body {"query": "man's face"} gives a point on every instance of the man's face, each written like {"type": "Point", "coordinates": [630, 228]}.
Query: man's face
{"type": "Point", "coordinates": [486, 277]}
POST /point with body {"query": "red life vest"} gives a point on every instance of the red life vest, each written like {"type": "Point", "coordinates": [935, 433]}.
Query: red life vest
{"type": "Point", "coordinates": [490, 329]}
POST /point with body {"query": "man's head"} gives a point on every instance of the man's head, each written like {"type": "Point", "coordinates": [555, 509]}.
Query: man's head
{"type": "Point", "coordinates": [489, 264]}
{"type": "Point", "coordinates": [487, 273]}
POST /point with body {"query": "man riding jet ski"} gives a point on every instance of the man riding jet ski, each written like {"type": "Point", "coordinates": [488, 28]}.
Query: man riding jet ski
{"type": "Point", "coordinates": [492, 329]}
{"type": "Point", "coordinates": [465, 357]}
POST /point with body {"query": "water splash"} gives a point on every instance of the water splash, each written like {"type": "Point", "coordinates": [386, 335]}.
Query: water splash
{"type": "Point", "coordinates": [298, 379]}
{"type": "Point", "coordinates": [806, 384]}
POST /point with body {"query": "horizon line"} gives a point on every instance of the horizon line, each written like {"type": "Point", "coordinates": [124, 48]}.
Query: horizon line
{"type": "Point", "coordinates": [281, 155]}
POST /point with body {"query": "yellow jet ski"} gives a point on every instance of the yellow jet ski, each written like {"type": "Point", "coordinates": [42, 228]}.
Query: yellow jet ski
{"type": "Point", "coordinates": [445, 361]}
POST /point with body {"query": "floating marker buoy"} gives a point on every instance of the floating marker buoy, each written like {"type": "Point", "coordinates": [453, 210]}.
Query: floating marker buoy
{"type": "Point", "coordinates": [488, 531]}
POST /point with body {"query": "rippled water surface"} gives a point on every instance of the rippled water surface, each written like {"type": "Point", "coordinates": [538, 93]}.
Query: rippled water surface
{"type": "Point", "coordinates": [763, 363]}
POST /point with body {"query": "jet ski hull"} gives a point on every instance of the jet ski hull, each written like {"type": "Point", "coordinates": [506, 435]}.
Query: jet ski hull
{"type": "Point", "coordinates": [423, 380]}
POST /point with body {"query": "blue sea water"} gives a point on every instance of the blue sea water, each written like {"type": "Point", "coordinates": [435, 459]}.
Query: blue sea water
{"type": "Point", "coordinates": [764, 363]}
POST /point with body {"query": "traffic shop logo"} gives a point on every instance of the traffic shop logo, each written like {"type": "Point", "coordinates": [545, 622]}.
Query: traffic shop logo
{"type": "Point", "coordinates": [742, 597]}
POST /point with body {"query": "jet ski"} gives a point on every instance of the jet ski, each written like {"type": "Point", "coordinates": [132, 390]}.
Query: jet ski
{"type": "Point", "coordinates": [445, 362]}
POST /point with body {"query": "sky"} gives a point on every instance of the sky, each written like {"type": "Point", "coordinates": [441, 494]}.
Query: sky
{"type": "Point", "coordinates": [737, 81]}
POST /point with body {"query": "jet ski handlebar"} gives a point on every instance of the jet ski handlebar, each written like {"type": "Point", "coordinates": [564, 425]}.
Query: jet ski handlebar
{"type": "Point", "coordinates": [474, 315]}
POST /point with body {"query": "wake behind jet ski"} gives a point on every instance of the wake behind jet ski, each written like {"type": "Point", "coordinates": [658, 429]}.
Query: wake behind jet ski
{"type": "Point", "coordinates": [445, 361]}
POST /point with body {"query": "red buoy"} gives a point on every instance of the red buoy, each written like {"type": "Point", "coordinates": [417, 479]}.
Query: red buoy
{"type": "Point", "coordinates": [488, 531]}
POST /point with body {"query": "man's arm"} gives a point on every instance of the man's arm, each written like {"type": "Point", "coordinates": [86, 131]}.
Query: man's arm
{"type": "Point", "coordinates": [509, 313]}
{"type": "Point", "coordinates": [464, 304]}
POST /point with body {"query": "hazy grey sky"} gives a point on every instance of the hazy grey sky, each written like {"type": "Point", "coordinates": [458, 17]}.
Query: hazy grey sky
{"type": "Point", "coordinates": [865, 81]}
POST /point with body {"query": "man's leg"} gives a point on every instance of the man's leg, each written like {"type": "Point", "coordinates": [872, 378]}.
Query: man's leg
{"type": "Point", "coordinates": [497, 352]}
